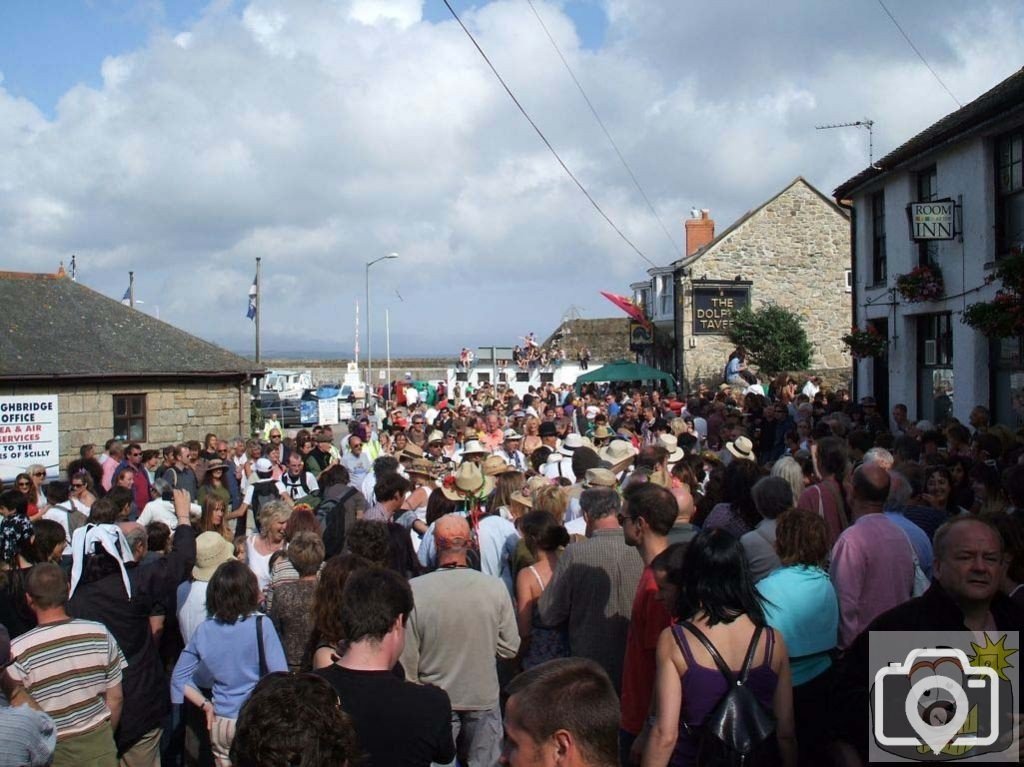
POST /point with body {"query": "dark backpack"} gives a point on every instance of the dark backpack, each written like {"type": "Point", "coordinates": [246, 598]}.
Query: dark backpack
{"type": "Point", "coordinates": [263, 491]}
{"type": "Point", "coordinates": [739, 731]}
{"type": "Point", "coordinates": [331, 516]}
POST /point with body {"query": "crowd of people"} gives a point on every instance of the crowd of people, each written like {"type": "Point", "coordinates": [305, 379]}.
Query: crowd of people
{"type": "Point", "coordinates": [530, 355]}
{"type": "Point", "coordinates": [567, 577]}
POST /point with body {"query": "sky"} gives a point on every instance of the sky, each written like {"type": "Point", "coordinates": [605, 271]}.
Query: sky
{"type": "Point", "coordinates": [182, 139]}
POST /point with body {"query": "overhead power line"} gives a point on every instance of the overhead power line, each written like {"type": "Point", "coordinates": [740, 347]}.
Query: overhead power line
{"type": "Point", "coordinates": [600, 122]}
{"type": "Point", "coordinates": [919, 54]}
{"type": "Point", "coordinates": [544, 138]}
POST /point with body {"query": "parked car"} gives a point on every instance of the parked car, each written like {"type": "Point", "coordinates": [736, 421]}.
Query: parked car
{"type": "Point", "coordinates": [287, 411]}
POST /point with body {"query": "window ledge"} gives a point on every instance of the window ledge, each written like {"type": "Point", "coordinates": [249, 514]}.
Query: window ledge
{"type": "Point", "coordinates": [877, 286]}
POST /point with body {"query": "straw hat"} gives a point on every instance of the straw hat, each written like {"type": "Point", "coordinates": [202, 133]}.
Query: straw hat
{"type": "Point", "coordinates": [211, 552]}
{"type": "Point", "coordinates": [411, 450]}
{"type": "Point", "coordinates": [619, 453]}
{"type": "Point", "coordinates": [495, 465]}
{"type": "Point", "coordinates": [435, 436]}
{"type": "Point", "coordinates": [599, 478]}
{"type": "Point", "coordinates": [215, 463]}
{"type": "Point", "coordinates": [741, 448]}
{"type": "Point", "coordinates": [511, 434]}
{"type": "Point", "coordinates": [466, 483]}
{"type": "Point", "coordinates": [602, 432]}
{"type": "Point", "coordinates": [421, 466]}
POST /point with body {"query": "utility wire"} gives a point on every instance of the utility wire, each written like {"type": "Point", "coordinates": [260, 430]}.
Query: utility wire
{"type": "Point", "coordinates": [593, 111]}
{"type": "Point", "coordinates": [544, 138]}
{"type": "Point", "coordinates": [919, 54]}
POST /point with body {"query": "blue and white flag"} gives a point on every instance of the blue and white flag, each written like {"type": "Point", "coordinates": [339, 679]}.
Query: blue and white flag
{"type": "Point", "coordinates": [126, 299]}
{"type": "Point", "coordinates": [251, 312]}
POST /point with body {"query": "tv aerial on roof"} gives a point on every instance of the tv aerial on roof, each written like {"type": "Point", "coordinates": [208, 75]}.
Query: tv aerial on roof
{"type": "Point", "coordinates": [867, 125]}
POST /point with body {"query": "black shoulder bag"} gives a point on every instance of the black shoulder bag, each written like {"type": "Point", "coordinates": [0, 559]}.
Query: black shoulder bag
{"type": "Point", "coordinates": [259, 647]}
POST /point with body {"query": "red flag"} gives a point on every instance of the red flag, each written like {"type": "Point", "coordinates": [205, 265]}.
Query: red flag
{"type": "Point", "coordinates": [628, 307]}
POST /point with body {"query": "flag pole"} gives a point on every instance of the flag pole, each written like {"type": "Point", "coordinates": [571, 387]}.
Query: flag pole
{"type": "Point", "coordinates": [259, 309]}
{"type": "Point", "coordinates": [131, 289]}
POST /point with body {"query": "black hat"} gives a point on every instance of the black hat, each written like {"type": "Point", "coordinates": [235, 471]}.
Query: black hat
{"type": "Point", "coordinates": [547, 429]}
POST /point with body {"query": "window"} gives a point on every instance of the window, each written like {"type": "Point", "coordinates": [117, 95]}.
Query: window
{"type": "Point", "coordinates": [879, 273]}
{"type": "Point", "coordinates": [935, 367]}
{"type": "Point", "coordinates": [546, 378]}
{"type": "Point", "coordinates": [522, 377]}
{"type": "Point", "coordinates": [482, 378]}
{"type": "Point", "coordinates": [130, 417]}
{"type": "Point", "coordinates": [1009, 192]}
{"type": "Point", "coordinates": [927, 252]}
{"type": "Point", "coordinates": [462, 376]}
{"type": "Point", "coordinates": [666, 294]}
{"type": "Point", "coordinates": [849, 280]}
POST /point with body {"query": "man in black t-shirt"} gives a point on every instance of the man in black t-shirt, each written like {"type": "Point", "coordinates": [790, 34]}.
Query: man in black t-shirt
{"type": "Point", "coordinates": [398, 723]}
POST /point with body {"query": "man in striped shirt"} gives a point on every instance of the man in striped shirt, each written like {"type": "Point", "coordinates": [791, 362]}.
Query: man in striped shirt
{"type": "Point", "coordinates": [72, 668]}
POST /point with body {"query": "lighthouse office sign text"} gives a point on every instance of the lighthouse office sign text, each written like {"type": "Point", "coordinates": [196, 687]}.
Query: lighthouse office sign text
{"type": "Point", "coordinates": [28, 434]}
{"type": "Point", "coordinates": [935, 220]}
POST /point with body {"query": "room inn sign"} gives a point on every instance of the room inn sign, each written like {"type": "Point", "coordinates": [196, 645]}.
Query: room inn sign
{"type": "Point", "coordinates": [714, 304]}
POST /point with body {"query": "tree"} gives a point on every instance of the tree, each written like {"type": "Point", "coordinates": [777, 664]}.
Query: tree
{"type": "Point", "coordinates": [774, 338]}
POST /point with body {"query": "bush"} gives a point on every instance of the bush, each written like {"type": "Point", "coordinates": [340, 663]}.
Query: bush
{"type": "Point", "coordinates": [774, 338]}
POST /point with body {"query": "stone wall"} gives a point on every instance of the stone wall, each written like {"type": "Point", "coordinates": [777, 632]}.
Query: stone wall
{"type": "Point", "coordinates": [795, 250]}
{"type": "Point", "coordinates": [175, 411]}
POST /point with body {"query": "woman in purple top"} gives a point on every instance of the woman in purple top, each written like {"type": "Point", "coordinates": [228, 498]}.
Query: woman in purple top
{"type": "Point", "coordinates": [716, 595]}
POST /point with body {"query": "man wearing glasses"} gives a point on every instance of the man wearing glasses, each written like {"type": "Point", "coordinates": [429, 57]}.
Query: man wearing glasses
{"type": "Point", "coordinates": [356, 461]}
{"type": "Point", "coordinates": [140, 485]}
{"type": "Point", "coordinates": [275, 441]}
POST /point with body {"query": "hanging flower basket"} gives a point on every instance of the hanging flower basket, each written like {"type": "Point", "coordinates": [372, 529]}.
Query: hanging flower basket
{"type": "Point", "coordinates": [865, 343]}
{"type": "Point", "coordinates": [1003, 316]}
{"type": "Point", "coordinates": [923, 283]}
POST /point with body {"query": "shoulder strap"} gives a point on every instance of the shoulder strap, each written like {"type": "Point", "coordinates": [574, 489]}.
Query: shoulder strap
{"type": "Point", "coordinates": [727, 672]}
{"type": "Point", "coordinates": [259, 646]}
{"type": "Point", "coordinates": [719, 661]}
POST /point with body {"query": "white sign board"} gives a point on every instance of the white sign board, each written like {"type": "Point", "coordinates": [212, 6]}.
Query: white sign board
{"type": "Point", "coordinates": [932, 220]}
{"type": "Point", "coordinates": [29, 434]}
{"type": "Point", "coordinates": [327, 411]}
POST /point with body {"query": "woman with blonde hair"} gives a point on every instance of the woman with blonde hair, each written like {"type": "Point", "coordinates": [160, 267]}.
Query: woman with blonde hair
{"type": "Point", "coordinates": [552, 499]}
{"type": "Point", "coordinates": [531, 435]}
{"type": "Point", "coordinates": [791, 471]}
{"type": "Point", "coordinates": [260, 547]}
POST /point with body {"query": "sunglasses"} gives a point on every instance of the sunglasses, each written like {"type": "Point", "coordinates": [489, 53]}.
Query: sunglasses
{"type": "Point", "coordinates": [77, 485]}
{"type": "Point", "coordinates": [623, 518]}
{"type": "Point", "coordinates": [38, 473]}
{"type": "Point", "coordinates": [24, 484]}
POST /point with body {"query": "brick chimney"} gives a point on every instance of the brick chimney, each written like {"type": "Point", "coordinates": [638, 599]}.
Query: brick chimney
{"type": "Point", "coordinates": [699, 230]}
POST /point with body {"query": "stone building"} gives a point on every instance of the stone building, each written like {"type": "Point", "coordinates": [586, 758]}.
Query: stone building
{"type": "Point", "coordinates": [967, 171]}
{"type": "Point", "coordinates": [792, 250]}
{"type": "Point", "coordinates": [106, 370]}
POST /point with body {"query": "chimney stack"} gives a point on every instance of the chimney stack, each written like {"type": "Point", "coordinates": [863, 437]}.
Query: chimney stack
{"type": "Point", "coordinates": [699, 231]}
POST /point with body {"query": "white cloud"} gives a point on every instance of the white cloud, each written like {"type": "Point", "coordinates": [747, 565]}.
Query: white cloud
{"type": "Point", "coordinates": [320, 134]}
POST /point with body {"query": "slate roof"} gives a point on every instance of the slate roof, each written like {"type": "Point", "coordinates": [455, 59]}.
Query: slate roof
{"type": "Point", "coordinates": [1002, 100]}
{"type": "Point", "coordinates": [687, 260]}
{"type": "Point", "coordinates": [53, 327]}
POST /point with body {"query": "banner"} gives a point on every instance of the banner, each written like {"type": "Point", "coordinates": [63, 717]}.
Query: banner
{"type": "Point", "coordinates": [29, 434]}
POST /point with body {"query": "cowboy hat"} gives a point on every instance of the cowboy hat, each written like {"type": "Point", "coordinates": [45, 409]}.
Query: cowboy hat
{"type": "Point", "coordinates": [211, 552]}
{"type": "Point", "coordinates": [602, 432]}
{"type": "Point", "coordinates": [512, 434]}
{"type": "Point", "coordinates": [411, 450]}
{"type": "Point", "coordinates": [466, 483]}
{"type": "Point", "coordinates": [215, 463]}
{"type": "Point", "coordinates": [671, 443]}
{"type": "Point", "coordinates": [570, 444]}
{"type": "Point", "coordinates": [473, 447]}
{"type": "Point", "coordinates": [741, 448]}
{"type": "Point", "coordinates": [599, 478]}
{"type": "Point", "coordinates": [435, 436]}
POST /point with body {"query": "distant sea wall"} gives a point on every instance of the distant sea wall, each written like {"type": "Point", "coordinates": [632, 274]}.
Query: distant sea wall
{"type": "Point", "coordinates": [333, 371]}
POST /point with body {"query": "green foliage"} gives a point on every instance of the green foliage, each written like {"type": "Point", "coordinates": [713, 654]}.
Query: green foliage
{"type": "Point", "coordinates": [774, 338]}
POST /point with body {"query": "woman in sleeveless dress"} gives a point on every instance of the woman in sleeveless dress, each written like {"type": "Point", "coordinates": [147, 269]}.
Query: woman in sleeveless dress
{"type": "Point", "coordinates": [716, 598]}
{"type": "Point", "coordinates": [545, 538]}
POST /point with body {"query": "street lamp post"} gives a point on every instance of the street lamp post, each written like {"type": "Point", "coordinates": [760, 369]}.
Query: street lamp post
{"type": "Point", "coordinates": [369, 336]}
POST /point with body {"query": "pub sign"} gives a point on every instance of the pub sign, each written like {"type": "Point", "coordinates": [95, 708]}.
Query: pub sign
{"type": "Point", "coordinates": [713, 306]}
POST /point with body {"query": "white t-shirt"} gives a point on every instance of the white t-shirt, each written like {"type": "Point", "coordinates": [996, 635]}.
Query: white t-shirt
{"type": "Point", "coordinates": [412, 396]}
{"type": "Point", "coordinates": [163, 511]}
